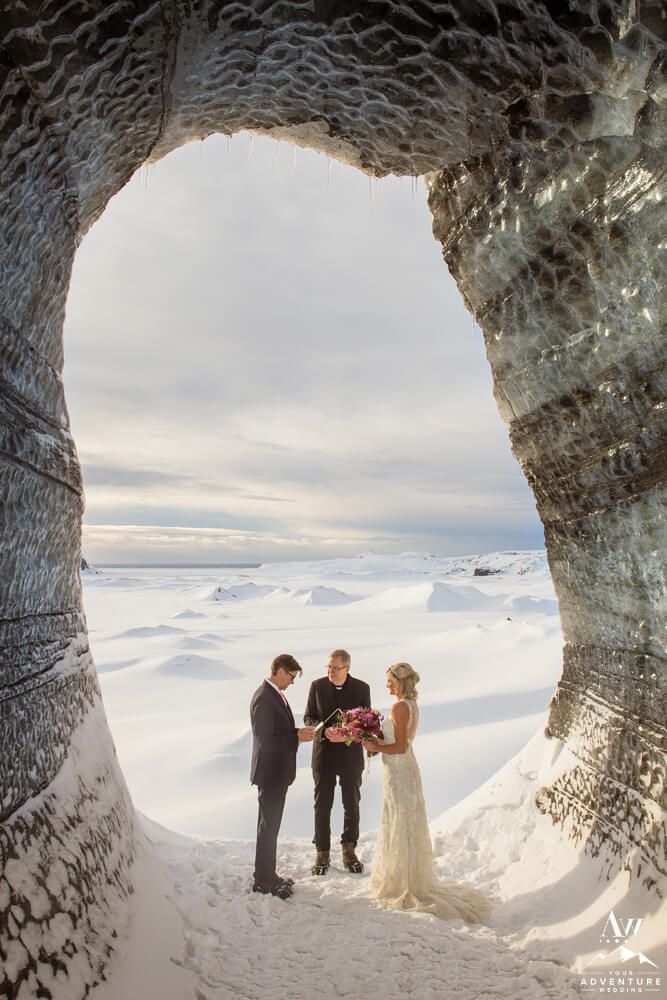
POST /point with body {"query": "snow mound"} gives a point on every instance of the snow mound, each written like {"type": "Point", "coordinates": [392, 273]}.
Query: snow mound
{"type": "Point", "coordinates": [241, 592]}
{"type": "Point", "coordinates": [111, 666]}
{"type": "Point", "coordinates": [430, 597]}
{"type": "Point", "coordinates": [223, 765]}
{"type": "Point", "coordinates": [148, 631]}
{"type": "Point", "coordinates": [197, 667]}
{"type": "Point", "coordinates": [324, 596]}
{"type": "Point", "coordinates": [195, 642]}
{"type": "Point", "coordinates": [526, 604]}
{"type": "Point", "coordinates": [189, 613]}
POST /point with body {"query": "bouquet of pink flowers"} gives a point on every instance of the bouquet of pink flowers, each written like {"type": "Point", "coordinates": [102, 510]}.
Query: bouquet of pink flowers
{"type": "Point", "coordinates": [359, 724]}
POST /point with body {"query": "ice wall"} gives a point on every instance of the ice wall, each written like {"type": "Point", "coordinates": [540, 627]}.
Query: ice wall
{"type": "Point", "coordinates": [568, 285]}
{"type": "Point", "coordinates": [542, 126]}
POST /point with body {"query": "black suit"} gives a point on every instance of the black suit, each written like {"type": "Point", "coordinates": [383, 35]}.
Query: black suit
{"type": "Point", "coordinates": [274, 745]}
{"type": "Point", "coordinates": [333, 761]}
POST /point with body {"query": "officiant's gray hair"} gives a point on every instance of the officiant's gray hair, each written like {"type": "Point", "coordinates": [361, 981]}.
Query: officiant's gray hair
{"type": "Point", "coordinates": [341, 654]}
{"type": "Point", "coordinates": [406, 677]}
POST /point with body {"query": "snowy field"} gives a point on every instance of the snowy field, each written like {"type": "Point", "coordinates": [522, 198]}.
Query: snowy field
{"type": "Point", "coordinates": [180, 652]}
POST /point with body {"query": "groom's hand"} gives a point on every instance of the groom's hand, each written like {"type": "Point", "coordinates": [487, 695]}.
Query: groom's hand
{"type": "Point", "coordinates": [306, 734]}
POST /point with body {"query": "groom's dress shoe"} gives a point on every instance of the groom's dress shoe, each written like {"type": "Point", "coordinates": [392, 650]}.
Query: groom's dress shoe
{"type": "Point", "coordinates": [280, 889]}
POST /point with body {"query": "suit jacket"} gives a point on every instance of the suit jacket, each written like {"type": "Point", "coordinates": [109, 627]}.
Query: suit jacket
{"type": "Point", "coordinates": [274, 738]}
{"type": "Point", "coordinates": [323, 700]}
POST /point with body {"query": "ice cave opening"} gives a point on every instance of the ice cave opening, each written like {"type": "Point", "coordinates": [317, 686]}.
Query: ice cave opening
{"type": "Point", "coordinates": [344, 406]}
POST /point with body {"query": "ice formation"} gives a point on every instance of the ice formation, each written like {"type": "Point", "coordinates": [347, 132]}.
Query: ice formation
{"type": "Point", "coordinates": [541, 126]}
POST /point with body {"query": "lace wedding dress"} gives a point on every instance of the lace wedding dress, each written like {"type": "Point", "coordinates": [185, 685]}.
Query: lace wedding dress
{"type": "Point", "coordinates": [403, 876]}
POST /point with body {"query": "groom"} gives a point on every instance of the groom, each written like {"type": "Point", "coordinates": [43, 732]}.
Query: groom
{"type": "Point", "coordinates": [275, 740]}
{"type": "Point", "coordinates": [333, 760]}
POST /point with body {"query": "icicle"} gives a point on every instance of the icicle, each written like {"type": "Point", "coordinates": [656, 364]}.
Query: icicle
{"type": "Point", "coordinates": [372, 192]}
{"type": "Point", "coordinates": [275, 154]}
{"type": "Point", "coordinates": [144, 175]}
{"type": "Point", "coordinates": [293, 159]}
{"type": "Point", "coordinates": [329, 164]}
{"type": "Point", "coordinates": [229, 143]}
{"type": "Point", "coordinates": [252, 144]}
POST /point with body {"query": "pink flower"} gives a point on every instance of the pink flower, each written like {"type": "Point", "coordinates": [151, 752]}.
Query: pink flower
{"type": "Point", "coordinates": [360, 723]}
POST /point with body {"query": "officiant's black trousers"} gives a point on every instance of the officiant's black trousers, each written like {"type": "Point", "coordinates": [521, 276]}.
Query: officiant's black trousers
{"type": "Point", "coordinates": [271, 802]}
{"type": "Point", "coordinates": [350, 786]}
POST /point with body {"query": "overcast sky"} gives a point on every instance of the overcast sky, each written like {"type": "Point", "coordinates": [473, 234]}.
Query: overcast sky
{"type": "Point", "coordinates": [266, 358]}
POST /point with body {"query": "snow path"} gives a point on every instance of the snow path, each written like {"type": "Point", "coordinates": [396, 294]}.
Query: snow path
{"type": "Point", "coordinates": [329, 940]}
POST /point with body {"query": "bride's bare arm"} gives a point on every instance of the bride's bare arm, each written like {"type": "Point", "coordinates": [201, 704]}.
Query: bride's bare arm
{"type": "Point", "coordinates": [400, 716]}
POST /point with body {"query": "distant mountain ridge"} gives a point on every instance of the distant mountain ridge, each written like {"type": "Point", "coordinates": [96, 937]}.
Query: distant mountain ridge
{"type": "Point", "coordinates": [506, 563]}
{"type": "Point", "coordinates": [510, 562]}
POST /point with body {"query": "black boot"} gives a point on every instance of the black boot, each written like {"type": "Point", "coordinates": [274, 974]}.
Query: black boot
{"type": "Point", "coordinates": [280, 889]}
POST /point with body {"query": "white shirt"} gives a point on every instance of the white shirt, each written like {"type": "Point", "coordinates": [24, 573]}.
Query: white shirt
{"type": "Point", "coordinates": [276, 688]}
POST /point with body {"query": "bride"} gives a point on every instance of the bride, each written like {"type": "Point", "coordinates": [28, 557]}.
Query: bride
{"type": "Point", "coordinates": [403, 876]}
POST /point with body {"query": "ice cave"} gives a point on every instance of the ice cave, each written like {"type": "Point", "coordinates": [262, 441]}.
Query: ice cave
{"type": "Point", "coordinates": [540, 128]}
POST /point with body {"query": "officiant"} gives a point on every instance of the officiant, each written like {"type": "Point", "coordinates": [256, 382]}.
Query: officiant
{"type": "Point", "coordinates": [334, 762]}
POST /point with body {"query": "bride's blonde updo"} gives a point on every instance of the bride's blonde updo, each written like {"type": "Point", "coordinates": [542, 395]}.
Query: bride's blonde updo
{"type": "Point", "coordinates": [406, 678]}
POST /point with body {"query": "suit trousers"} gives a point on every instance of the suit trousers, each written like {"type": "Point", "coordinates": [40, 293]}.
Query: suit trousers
{"type": "Point", "coordinates": [350, 786]}
{"type": "Point", "coordinates": [271, 802]}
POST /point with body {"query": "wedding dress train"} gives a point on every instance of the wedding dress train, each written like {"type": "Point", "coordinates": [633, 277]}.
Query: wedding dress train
{"type": "Point", "coordinates": [403, 877]}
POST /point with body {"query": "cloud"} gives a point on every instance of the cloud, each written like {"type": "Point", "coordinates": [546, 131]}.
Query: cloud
{"type": "Point", "coordinates": [145, 543]}
{"type": "Point", "coordinates": [101, 474]}
{"type": "Point", "coordinates": [156, 481]}
{"type": "Point", "coordinates": [130, 543]}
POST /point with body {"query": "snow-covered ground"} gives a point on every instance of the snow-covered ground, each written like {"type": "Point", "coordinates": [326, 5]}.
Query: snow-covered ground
{"type": "Point", "coordinates": [179, 654]}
